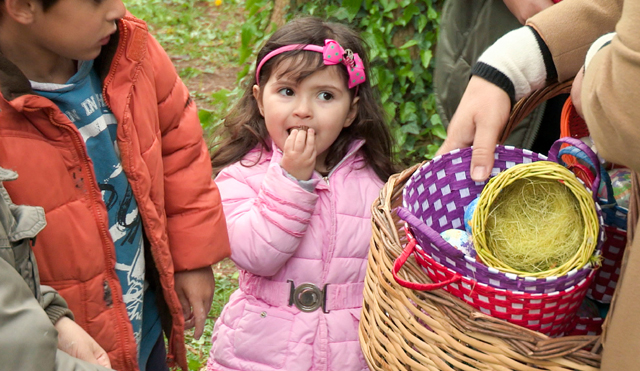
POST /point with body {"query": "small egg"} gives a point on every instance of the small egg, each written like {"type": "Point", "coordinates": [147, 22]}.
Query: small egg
{"type": "Point", "coordinates": [468, 214]}
{"type": "Point", "coordinates": [461, 240]}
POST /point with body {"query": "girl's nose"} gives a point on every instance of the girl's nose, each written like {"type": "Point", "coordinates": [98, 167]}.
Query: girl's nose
{"type": "Point", "coordinates": [116, 11]}
{"type": "Point", "coordinates": [303, 109]}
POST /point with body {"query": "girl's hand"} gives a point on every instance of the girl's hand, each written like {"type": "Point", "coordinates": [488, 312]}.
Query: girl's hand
{"type": "Point", "coordinates": [299, 154]}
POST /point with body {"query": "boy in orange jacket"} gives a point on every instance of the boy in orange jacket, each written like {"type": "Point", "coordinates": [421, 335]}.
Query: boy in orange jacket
{"type": "Point", "coordinates": [105, 137]}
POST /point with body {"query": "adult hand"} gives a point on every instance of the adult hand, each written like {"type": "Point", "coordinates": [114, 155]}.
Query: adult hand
{"type": "Point", "coordinates": [576, 88]}
{"type": "Point", "coordinates": [75, 341]}
{"type": "Point", "coordinates": [195, 291]}
{"type": "Point", "coordinates": [299, 154]}
{"type": "Point", "coordinates": [525, 9]}
{"type": "Point", "coordinates": [479, 120]}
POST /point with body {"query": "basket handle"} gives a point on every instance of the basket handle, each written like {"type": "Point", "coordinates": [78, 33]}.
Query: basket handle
{"type": "Point", "coordinates": [606, 179]}
{"type": "Point", "coordinates": [582, 152]}
{"type": "Point", "coordinates": [432, 235]}
{"type": "Point", "coordinates": [525, 105]}
{"type": "Point", "coordinates": [399, 262]}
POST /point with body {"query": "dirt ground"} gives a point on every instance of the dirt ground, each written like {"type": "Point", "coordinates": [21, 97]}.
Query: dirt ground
{"type": "Point", "coordinates": [207, 83]}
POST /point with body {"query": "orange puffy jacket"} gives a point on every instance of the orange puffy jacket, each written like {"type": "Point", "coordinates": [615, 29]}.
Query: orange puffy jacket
{"type": "Point", "coordinates": [167, 163]}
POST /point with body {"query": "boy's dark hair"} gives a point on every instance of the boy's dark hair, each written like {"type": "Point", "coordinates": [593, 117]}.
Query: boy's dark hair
{"type": "Point", "coordinates": [46, 4]}
{"type": "Point", "coordinates": [244, 127]}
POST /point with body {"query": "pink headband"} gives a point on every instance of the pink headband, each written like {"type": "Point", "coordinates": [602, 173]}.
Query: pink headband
{"type": "Point", "coordinates": [332, 53]}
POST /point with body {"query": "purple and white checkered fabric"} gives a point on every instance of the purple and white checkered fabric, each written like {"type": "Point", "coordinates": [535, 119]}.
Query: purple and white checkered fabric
{"type": "Point", "coordinates": [437, 195]}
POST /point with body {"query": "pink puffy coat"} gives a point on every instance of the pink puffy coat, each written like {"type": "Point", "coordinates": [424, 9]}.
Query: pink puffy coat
{"type": "Point", "coordinates": [281, 232]}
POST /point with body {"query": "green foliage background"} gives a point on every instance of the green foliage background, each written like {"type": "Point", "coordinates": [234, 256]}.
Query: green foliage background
{"type": "Point", "coordinates": [401, 36]}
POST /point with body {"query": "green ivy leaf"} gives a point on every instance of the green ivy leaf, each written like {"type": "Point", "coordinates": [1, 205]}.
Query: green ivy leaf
{"type": "Point", "coordinates": [431, 150]}
{"type": "Point", "coordinates": [438, 130]}
{"type": "Point", "coordinates": [409, 12]}
{"type": "Point", "coordinates": [391, 5]}
{"type": "Point", "coordinates": [409, 44]}
{"type": "Point", "coordinates": [352, 7]}
{"type": "Point", "coordinates": [425, 57]}
{"type": "Point", "coordinates": [390, 108]}
{"type": "Point", "coordinates": [406, 109]}
{"type": "Point", "coordinates": [411, 128]}
{"type": "Point", "coordinates": [422, 22]}
{"type": "Point", "coordinates": [400, 137]}
{"type": "Point", "coordinates": [432, 14]}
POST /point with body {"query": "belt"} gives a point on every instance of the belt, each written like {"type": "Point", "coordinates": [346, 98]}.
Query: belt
{"type": "Point", "coordinates": [307, 297]}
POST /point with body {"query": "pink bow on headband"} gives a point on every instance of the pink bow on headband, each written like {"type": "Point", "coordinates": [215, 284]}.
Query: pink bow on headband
{"type": "Point", "coordinates": [332, 53]}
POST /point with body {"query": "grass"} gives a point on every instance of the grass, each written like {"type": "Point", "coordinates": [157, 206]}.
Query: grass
{"type": "Point", "coordinates": [199, 32]}
{"type": "Point", "coordinates": [203, 40]}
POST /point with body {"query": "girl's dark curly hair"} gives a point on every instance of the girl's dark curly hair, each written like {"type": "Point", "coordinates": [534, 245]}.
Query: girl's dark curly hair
{"type": "Point", "coordinates": [244, 128]}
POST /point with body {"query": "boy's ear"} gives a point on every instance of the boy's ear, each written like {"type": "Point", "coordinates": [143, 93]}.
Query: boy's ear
{"type": "Point", "coordinates": [22, 11]}
{"type": "Point", "coordinates": [256, 96]}
{"type": "Point", "coordinates": [353, 112]}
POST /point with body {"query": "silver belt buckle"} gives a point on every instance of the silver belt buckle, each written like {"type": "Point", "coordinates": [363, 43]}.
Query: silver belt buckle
{"type": "Point", "coordinates": [308, 297]}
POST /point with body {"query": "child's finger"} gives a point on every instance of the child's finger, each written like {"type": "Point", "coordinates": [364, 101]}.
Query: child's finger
{"type": "Point", "coordinates": [300, 140]}
{"type": "Point", "coordinates": [311, 142]}
{"type": "Point", "coordinates": [290, 141]}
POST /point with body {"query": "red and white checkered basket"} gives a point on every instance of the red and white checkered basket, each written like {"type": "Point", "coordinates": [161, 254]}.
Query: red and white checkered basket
{"type": "Point", "coordinates": [550, 313]}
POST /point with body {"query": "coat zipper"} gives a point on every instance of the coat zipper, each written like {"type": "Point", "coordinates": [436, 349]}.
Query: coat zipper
{"type": "Point", "coordinates": [81, 148]}
{"type": "Point", "coordinates": [107, 81]}
{"type": "Point", "coordinates": [326, 178]}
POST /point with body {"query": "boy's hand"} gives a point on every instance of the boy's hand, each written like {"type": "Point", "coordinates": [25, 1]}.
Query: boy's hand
{"type": "Point", "coordinates": [195, 290]}
{"type": "Point", "coordinates": [299, 154]}
{"type": "Point", "coordinates": [479, 120]}
{"type": "Point", "coordinates": [525, 9]}
{"type": "Point", "coordinates": [73, 340]}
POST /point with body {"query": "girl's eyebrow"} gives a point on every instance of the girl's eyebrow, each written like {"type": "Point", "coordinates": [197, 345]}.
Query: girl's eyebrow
{"type": "Point", "coordinates": [327, 86]}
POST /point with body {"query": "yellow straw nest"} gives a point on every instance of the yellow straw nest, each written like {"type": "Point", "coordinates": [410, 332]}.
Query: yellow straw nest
{"type": "Point", "coordinates": [535, 220]}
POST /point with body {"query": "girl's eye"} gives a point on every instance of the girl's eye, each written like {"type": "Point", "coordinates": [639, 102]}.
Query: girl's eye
{"type": "Point", "coordinates": [286, 92]}
{"type": "Point", "coordinates": [325, 96]}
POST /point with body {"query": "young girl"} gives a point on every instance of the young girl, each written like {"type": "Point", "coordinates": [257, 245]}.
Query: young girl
{"type": "Point", "coordinates": [308, 151]}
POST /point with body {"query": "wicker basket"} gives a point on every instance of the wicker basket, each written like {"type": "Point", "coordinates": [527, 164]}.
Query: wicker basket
{"type": "Point", "coordinates": [403, 329]}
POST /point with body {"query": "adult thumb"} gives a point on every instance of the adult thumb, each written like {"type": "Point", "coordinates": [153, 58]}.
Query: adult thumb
{"type": "Point", "coordinates": [102, 358]}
